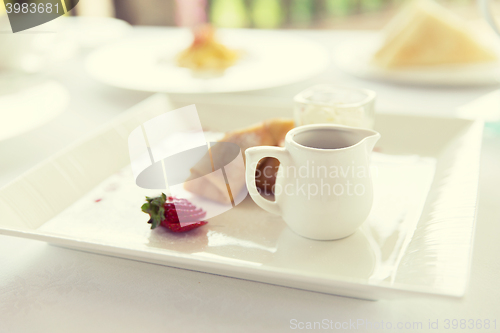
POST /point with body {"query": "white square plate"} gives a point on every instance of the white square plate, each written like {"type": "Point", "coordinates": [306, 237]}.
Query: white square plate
{"type": "Point", "coordinates": [417, 240]}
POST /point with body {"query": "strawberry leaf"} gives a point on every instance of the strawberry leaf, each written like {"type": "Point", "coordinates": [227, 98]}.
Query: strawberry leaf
{"type": "Point", "coordinates": [155, 207]}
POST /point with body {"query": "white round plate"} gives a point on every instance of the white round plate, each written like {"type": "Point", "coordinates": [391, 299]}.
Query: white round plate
{"type": "Point", "coordinates": [92, 32]}
{"type": "Point", "coordinates": [269, 59]}
{"type": "Point", "coordinates": [31, 107]}
{"type": "Point", "coordinates": [354, 57]}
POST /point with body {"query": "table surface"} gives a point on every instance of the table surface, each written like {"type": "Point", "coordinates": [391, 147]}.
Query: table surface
{"type": "Point", "coordinates": [47, 288]}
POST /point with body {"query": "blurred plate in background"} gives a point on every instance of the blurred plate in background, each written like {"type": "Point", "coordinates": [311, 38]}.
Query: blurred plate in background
{"type": "Point", "coordinates": [269, 59]}
{"type": "Point", "coordinates": [354, 57]}
{"type": "Point", "coordinates": [92, 32]}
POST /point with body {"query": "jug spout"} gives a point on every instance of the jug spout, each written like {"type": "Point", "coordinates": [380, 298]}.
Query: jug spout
{"type": "Point", "coordinates": [370, 141]}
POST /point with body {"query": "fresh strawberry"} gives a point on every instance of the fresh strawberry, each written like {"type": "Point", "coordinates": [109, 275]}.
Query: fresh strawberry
{"type": "Point", "coordinates": [166, 212]}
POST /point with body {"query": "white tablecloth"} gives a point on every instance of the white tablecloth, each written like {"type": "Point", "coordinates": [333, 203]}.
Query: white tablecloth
{"type": "Point", "coordinates": [44, 288]}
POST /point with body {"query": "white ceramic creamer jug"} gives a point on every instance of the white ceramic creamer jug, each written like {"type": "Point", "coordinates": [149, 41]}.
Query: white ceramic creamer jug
{"type": "Point", "coordinates": [323, 187]}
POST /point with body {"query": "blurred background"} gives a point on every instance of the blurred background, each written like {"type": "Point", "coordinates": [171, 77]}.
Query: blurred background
{"type": "Point", "coordinates": [52, 94]}
{"type": "Point", "coordinates": [266, 14]}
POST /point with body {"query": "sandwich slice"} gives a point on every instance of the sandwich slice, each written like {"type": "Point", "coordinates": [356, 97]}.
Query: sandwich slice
{"type": "Point", "coordinates": [427, 34]}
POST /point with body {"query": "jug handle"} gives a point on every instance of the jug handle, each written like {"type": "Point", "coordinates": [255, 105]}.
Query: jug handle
{"type": "Point", "coordinates": [253, 156]}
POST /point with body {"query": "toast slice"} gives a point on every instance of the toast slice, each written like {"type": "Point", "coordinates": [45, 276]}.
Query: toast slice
{"type": "Point", "coordinates": [427, 34]}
